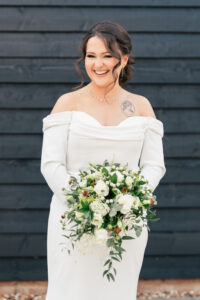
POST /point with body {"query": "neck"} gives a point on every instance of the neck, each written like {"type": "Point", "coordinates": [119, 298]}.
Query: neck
{"type": "Point", "coordinates": [104, 92]}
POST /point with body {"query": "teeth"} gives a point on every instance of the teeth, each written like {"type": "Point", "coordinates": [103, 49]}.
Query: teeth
{"type": "Point", "coordinates": [101, 72]}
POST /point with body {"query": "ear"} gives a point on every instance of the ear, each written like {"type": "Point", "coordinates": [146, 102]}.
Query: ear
{"type": "Point", "coordinates": [125, 59]}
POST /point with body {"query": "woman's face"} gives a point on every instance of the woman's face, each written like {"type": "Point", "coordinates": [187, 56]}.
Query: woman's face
{"type": "Point", "coordinates": [99, 59]}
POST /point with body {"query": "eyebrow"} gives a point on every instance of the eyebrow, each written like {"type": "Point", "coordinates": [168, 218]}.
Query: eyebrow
{"type": "Point", "coordinates": [94, 52]}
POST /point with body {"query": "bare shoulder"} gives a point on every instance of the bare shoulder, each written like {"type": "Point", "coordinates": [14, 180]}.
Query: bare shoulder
{"type": "Point", "coordinates": [144, 106]}
{"type": "Point", "coordinates": [65, 102]}
{"type": "Point", "coordinates": [141, 104]}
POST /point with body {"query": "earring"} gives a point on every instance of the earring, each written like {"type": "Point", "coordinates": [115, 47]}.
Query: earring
{"type": "Point", "coordinates": [122, 72]}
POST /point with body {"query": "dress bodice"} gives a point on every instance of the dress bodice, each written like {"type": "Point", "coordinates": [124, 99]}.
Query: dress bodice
{"type": "Point", "coordinates": [73, 138]}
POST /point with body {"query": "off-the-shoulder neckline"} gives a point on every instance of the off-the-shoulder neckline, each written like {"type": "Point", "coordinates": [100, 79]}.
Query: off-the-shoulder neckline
{"type": "Point", "coordinates": [99, 124]}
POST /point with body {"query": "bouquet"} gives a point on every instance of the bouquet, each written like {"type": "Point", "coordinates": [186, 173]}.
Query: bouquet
{"type": "Point", "coordinates": [105, 203]}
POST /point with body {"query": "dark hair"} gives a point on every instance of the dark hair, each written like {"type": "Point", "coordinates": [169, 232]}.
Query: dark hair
{"type": "Point", "coordinates": [111, 33]}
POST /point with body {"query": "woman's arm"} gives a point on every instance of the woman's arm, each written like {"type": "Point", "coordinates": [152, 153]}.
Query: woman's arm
{"type": "Point", "coordinates": [54, 146]}
{"type": "Point", "coordinates": [152, 155]}
{"type": "Point", "coordinates": [53, 156]}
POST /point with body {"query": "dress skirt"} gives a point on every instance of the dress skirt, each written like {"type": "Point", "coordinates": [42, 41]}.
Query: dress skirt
{"type": "Point", "coordinates": [80, 277]}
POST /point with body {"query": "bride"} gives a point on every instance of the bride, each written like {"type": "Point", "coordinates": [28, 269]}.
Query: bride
{"type": "Point", "coordinates": [98, 121]}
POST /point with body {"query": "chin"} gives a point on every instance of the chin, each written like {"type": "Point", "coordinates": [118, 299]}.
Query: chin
{"type": "Point", "coordinates": [101, 84]}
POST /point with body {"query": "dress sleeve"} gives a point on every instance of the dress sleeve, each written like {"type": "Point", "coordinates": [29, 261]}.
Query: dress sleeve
{"type": "Point", "coordinates": [54, 147]}
{"type": "Point", "coordinates": [152, 156]}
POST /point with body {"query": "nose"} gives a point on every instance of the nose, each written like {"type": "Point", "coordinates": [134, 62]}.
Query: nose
{"type": "Point", "coordinates": [98, 62]}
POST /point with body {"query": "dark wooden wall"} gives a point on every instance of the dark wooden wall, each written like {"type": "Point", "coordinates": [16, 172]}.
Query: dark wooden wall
{"type": "Point", "coordinates": [38, 47]}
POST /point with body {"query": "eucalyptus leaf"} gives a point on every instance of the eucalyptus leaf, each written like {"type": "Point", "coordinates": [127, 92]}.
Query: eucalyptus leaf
{"type": "Point", "coordinates": [127, 237]}
{"type": "Point", "coordinates": [114, 178]}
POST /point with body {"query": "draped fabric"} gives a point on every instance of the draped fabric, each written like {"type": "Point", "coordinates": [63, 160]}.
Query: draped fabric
{"type": "Point", "coordinates": [70, 140]}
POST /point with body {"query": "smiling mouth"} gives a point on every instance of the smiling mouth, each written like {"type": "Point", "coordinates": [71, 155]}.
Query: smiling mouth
{"type": "Point", "coordinates": [101, 74]}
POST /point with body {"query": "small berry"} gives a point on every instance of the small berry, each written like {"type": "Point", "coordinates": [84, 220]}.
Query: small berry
{"type": "Point", "coordinates": [85, 193]}
{"type": "Point", "coordinates": [117, 229]}
{"type": "Point", "coordinates": [152, 202]}
{"type": "Point", "coordinates": [124, 190]}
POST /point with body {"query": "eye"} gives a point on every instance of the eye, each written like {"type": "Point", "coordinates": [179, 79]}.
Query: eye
{"type": "Point", "coordinates": [89, 55]}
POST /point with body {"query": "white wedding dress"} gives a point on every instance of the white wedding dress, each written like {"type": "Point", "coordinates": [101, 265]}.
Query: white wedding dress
{"type": "Point", "coordinates": [70, 140]}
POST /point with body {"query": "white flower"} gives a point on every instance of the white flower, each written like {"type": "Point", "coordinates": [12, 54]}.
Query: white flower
{"type": "Point", "coordinates": [120, 176]}
{"type": "Point", "coordinates": [146, 201]}
{"type": "Point", "coordinates": [125, 172]}
{"type": "Point", "coordinates": [127, 201]}
{"type": "Point", "coordinates": [85, 244]}
{"type": "Point", "coordinates": [90, 176]}
{"type": "Point", "coordinates": [79, 215]}
{"type": "Point", "coordinates": [144, 212]}
{"type": "Point", "coordinates": [99, 207]}
{"type": "Point", "coordinates": [136, 202]}
{"type": "Point", "coordinates": [97, 220]}
{"type": "Point", "coordinates": [101, 235]}
{"type": "Point", "coordinates": [129, 220]}
{"type": "Point", "coordinates": [101, 188]}
{"type": "Point", "coordinates": [97, 174]}
{"type": "Point", "coordinates": [129, 180]}
{"type": "Point", "coordinates": [83, 183]}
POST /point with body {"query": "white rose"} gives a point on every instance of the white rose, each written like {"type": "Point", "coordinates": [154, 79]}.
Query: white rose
{"type": "Point", "coordinates": [129, 180]}
{"type": "Point", "coordinates": [136, 202]}
{"type": "Point", "coordinates": [127, 201]}
{"type": "Point", "coordinates": [97, 220]}
{"type": "Point", "coordinates": [99, 207]}
{"type": "Point", "coordinates": [101, 188]}
{"type": "Point", "coordinates": [120, 176]}
{"type": "Point", "coordinates": [101, 235]}
{"type": "Point", "coordinates": [97, 174]}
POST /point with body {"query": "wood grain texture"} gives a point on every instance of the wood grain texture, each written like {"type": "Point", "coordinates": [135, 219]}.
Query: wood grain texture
{"type": "Point", "coordinates": [35, 268]}
{"type": "Point", "coordinates": [39, 43]}
{"type": "Point", "coordinates": [136, 19]}
{"type": "Point", "coordinates": [55, 70]}
{"type": "Point", "coordinates": [168, 45]}
{"type": "Point", "coordinates": [99, 3]}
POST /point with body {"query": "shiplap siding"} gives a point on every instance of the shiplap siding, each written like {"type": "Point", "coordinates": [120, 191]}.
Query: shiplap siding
{"type": "Point", "coordinates": [38, 47]}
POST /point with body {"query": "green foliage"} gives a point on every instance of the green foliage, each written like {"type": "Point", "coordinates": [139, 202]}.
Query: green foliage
{"type": "Point", "coordinates": [127, 237]}
{"type": "Point", "coordinates": [79, 203]}
{"type": "Point", "coordinates": [113, 178]}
